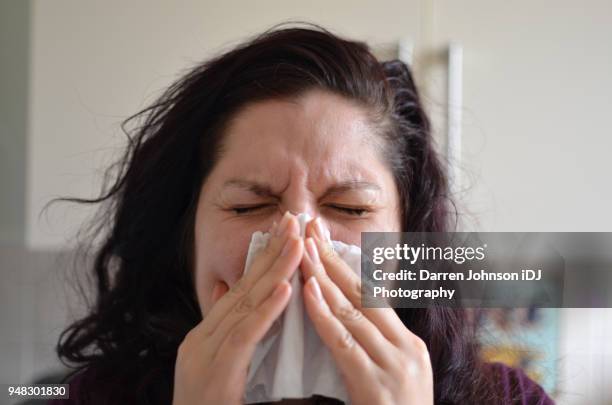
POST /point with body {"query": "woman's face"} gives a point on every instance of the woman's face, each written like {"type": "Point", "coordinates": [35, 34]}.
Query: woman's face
{"type": "Point", "coordinates": [314, 154]}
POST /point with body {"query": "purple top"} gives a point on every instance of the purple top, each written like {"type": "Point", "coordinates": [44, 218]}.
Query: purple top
{"type": "Point", "coordinates": [518, 389]}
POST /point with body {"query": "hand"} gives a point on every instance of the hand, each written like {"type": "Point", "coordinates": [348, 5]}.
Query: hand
{"type": "Point", "coordinates": [213, 359]}
{"type": "Point", "coordinates": [381, 361]}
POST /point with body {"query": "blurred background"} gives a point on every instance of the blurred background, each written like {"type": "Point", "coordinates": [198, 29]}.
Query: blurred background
{"type": "Point", "coordinates": [520, 94]}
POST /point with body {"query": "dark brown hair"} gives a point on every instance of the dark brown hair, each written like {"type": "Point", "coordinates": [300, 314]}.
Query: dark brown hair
{"type": "Point", "coordinates": [146, 301]}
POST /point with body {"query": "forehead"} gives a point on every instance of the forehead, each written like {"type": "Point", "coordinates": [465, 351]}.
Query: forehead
{"type": "Point", "coordinates": [319, 130]}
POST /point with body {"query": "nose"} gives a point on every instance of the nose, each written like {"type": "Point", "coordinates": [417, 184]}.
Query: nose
{"type": "Point", "coordinates": [298, 199]}
{"type": "Point", "coordinates": [304, 209]}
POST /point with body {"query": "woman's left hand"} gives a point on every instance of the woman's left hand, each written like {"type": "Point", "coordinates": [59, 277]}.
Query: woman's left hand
{"type": "Point", "coordinates": [381, 361]}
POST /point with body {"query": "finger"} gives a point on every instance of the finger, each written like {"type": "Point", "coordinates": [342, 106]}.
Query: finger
{"type": "Point", "coordinates": [352, 360]}
{"type": "Point", "coordinates": [287, 227]}
{"type": "Point", "coordinates": [263, 262]}
{"type": "Point", "coordinates": [364, 331]}
{"type": "Point", "coordinates": [237, 349]}
{"type": "Point", "coordinates": [281, 271]}
{"type": "Point", "coordinates": [350, 284]}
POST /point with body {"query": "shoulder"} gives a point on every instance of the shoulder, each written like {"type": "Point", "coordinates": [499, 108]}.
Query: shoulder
{"type": "Point", "coordinates": [80, 383]}
{"type": "Point", "coordinates": [113, 383]}
{"type": "Point", "coordinates": [516, 387]}
{"type": "Point", "coordinates": [74, 381]}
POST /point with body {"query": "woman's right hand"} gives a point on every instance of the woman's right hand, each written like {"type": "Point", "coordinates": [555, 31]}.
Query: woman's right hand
{"type": "Point", "coordinates": [213, 360]}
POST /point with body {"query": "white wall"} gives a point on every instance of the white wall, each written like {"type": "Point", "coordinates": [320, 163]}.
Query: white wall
{"type": "Point", "coordinates": [14, 62]}
{"type": "Point", "coordinates": [537, 101]}
{"type": "Point", "coordinates": [95, 63]}
{"type": "Point", "coordinates": [537, 140]}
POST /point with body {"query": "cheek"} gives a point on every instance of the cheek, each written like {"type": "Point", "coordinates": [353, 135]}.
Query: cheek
{"type": "Point", "coordinates": [351, 233]}
{"type": "Point", "coordinates": [218, 259]}
{"type": "Point", "coordinates": [387, 219]}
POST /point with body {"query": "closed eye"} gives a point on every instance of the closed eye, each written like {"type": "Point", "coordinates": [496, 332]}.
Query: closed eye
{"type": "Point", "coordinates": [248, 209]}
{"type": "Point", "coordinates": [354, 211]}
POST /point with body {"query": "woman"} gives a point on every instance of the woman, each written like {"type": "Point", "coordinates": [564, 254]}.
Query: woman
{"type": "Point", "coordinates": [297, 120]}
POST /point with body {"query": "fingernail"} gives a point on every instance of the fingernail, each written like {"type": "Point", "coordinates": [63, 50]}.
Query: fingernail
{"type": "Point", "coordinates": [316, 290]}
{"type": "Point", "coordinates": [318, 228]}
{"type": "Point", "coordinates": [283, 224]}
{"type": "Point", "coordinates": [311, 248]}
{"type": "Point", "coordinates": [288, 246]}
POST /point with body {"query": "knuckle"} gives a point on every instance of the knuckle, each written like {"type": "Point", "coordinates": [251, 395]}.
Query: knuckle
{"type": "Point", "coordinates": [367, 287]}
{"type": "Point", "coordinates": [262, 310]}
{"type": "Point", "coordinates": [328, 253]}
{"type": "Point", "coordinates": [245, 305]}
{"type": "Point", "coordinates": [349, 313]}
{"type": "Point", "coordinates": [322, 276]}
{"type": "Point", "coordinates": [355, 290]}
{"type": "Point", "coordinates": [184, 355]}
{"type": "Point", "coordinates": [206, 330]}
{"type": "Point", "coordinates": [423, 358]}
{"type": "Point", "coordinates": [183, 350]}
{"type": "Point", "coordinates": [240, 288]}
{"type": "Point", "coordinates": [346, 340]}
{"type": "Point", "coordinates": [187, 339]}
{"type": "Point", "coordinates": [420, 347]}
{"type": "Point", "coordinates": [317, 268]}
{"type": "Point", "coordinates": [416, 360]}
{"type": "Point", "coordinates": [319, 317]}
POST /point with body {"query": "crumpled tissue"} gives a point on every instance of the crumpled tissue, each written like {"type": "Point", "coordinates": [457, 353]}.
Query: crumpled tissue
{"type": "Point", "coordinates": [291, 361]}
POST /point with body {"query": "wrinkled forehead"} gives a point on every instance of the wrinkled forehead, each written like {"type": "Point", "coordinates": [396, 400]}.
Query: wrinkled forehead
{"type": "Point", "coordinates": [320, 130]}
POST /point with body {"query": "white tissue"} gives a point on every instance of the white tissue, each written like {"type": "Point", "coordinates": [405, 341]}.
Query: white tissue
{"type": "Point", "coordinates": [291, 361]}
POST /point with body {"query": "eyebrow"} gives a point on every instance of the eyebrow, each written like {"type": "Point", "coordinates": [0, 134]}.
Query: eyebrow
{"type": "Point", "coordinates": [264, 190]}
{"type": "Point", "coordinates": [259, 189]}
